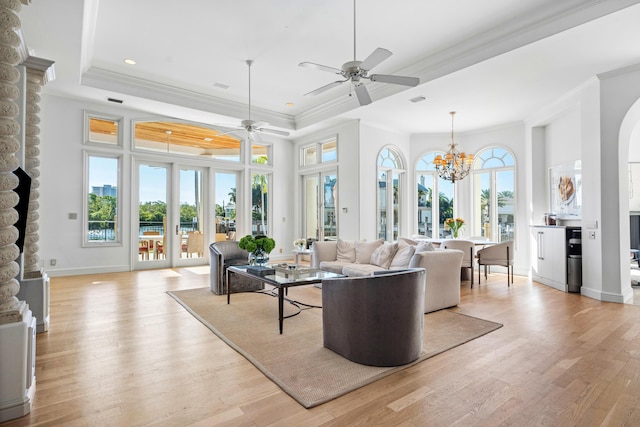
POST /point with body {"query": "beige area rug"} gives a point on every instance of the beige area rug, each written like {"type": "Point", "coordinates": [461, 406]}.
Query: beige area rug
{"type": "Point", "coordinates": [296, 360]}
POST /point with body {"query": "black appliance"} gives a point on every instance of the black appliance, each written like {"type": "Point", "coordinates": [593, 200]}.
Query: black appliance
{"type": "Point", "coordinates": [574, 259]}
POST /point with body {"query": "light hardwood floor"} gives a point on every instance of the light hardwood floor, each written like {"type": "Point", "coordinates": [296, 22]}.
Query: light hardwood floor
{"type": "Point", "coordinates": [121, 352]}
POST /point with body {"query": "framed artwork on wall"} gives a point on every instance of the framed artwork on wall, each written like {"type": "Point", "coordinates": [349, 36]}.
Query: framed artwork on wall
{"type": "Point", "coordinates": [566, 190]}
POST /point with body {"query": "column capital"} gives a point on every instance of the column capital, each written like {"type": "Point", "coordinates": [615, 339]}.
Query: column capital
{"type": "Point", "coordinates": [45, 66]}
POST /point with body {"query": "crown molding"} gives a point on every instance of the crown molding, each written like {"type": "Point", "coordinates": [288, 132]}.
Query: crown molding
{"type": "Point", "coordinates": [123, 84]}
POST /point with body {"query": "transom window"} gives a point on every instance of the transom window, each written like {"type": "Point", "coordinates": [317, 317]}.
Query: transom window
{"type": "Point", "coordinates": [187, 139]}
{"type": "Point", "coordinates": [322, 152]}
{"type": "Point", "coordinates": [102, 129]}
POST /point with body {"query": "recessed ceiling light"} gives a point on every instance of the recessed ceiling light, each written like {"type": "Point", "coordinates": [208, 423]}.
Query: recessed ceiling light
{"type": "Point", "coordinates": [130, 61]}
{"type": "Point", "coordinates": [417, 99]}
{"type": "Point", "coordinates": [289, 104]}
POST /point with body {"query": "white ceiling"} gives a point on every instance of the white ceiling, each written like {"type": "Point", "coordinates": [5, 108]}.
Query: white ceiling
{"type": "Point", "coordinates": [494, 62]}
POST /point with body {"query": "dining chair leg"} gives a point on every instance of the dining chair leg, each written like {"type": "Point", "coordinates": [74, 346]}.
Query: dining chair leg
{"type": "Point", "coordinates": [471, 264]}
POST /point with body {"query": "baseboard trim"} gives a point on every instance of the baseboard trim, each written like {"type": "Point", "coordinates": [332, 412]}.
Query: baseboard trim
{"type": "Point", "coordinates": [88, 270]}
{"type": "Point", "coordinates": [602, 296]}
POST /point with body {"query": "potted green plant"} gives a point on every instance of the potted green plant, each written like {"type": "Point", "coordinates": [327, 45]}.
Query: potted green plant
{"type": "Point", "coordinates": [258, 247]}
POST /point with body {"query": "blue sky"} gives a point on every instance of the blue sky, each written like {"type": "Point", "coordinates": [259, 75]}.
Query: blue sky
{"type": "Point", "coordinates": [153, 179]}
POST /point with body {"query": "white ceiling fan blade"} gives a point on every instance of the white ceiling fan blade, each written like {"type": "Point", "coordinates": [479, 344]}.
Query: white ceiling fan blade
{"type": "Point", "coordinates": [259, 124]}
{"type": "Point", "coordinates": [230, 131]}
{"type": "Point", "coordinates": [273, 131]}
{"type": "Point", "coordinates": [376, 57]}
{"type": "Point", "coordinates": [363, 95]}
{"type": "Point", "coordinates": [396, 80]}
{"type": "Point", "coordinates": [320, 67]}
{"type": "Point", "coordinates": [325, 88]}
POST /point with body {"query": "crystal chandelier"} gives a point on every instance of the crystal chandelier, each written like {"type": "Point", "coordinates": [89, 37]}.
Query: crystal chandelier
{"type": "Point", "coordinates": [455, 165]}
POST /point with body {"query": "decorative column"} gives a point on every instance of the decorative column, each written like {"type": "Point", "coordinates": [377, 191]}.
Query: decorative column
{"type": "Point", "coordinates": [11, 309]}
{"type": "Point", "coordinates": [37, 75]}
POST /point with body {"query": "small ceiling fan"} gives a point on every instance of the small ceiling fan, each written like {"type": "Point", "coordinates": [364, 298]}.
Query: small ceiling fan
{"type": "Point", "coordinates": [251, 127]}
{"type": "Point", "coordinates": [356, 71]}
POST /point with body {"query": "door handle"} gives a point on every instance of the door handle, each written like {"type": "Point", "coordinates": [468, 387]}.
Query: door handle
{"type": "Point", "coordinates": [177, 230]}
{"type": "Point", "coordinates": [540, 245]}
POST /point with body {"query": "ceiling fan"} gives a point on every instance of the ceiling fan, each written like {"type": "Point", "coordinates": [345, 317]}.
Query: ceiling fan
{"type": "Point", "coordinates": [251, 127]}
{"type": "Point", "coordinates": [356, 71]}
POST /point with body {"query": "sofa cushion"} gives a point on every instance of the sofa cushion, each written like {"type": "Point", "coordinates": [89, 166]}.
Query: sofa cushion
{"type": "Point", "coordinates": [364, 250]}
{"type": "Point", "coordinates": [357, 270]}
{"type": "Point", "coordinates": [403, 255]}
{"type": "Point", "coordinates": [384, 254]}
{"type": "Point", "coordinates": [424, 247]}
{"type": "Point", "coordinates": [333, 266]}
{"type": "Point", "coordinates": [346, 251]}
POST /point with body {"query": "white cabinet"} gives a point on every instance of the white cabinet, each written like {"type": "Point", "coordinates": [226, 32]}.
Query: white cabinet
{"type": "Point", "coordinates": [549, 256]}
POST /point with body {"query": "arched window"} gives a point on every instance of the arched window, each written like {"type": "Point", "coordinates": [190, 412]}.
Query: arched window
{"type": "Point", "coordinates": [494, 194]}
{"type": "Point", "coordinates": [432, 210]}
{"type": "Point", "coordinates": [390, 175]}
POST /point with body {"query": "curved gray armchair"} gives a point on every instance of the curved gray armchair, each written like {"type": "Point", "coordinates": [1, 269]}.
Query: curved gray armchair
{"type": "Point", "coordinates": [221, 255]}
{"type": "Point", "coordinates": [375, 320]}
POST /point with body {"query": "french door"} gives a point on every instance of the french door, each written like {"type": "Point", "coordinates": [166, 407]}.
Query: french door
{"type": "Point", "coordinates": [320, 195]}
{"type": "Point", "coordinates": [168, 216]}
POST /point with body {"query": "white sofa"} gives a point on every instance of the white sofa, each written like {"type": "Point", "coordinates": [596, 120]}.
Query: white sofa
{"type": "Point", "coordinates": [355, 259]}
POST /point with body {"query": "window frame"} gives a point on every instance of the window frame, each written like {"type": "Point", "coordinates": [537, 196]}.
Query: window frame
{"type": "Point", "coordinates": [494, 235]}
{"type": "Point", "coordinates": [397, 169]}
{"type": "Point", "coordinates": [88, 115]}
{"type": "Point", "coordinates": [435, 202]}
{"type": "Point", "coordinates": [318, 145]}
{"type": "Point", "coordinates": [86, 242]}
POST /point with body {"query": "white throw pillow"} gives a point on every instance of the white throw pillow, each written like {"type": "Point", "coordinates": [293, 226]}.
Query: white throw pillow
{"type": "Point", "coordinates": [407, 241]}
{"type": "Point", "coordinates": [403, 256]}
{"type": "Point", "coordinates": [384, 254]}
{"type": "Point", "coordinates": [364, 250]}
{"type": "Point", "coordinates": [346, 251]}
{"type": "Point", "coordinates": [424, 247]}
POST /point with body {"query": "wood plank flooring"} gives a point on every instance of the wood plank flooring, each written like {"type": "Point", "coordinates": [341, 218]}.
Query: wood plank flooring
{"type": "Point", "coordinates": [121, 352]}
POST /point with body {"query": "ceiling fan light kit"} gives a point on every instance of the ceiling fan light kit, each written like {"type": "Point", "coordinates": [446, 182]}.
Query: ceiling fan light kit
{"type": "Point", "coordinates": [356, 71]}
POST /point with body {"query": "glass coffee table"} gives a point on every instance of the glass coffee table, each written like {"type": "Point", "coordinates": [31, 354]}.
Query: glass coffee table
{"type": "Point", "coordinates": [281, 278]}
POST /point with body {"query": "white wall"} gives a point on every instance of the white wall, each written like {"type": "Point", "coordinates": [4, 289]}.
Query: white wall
{"type": "Point", "coordinates": [62, 180]}
{"type": "Point", "coordinates": [563, 139]}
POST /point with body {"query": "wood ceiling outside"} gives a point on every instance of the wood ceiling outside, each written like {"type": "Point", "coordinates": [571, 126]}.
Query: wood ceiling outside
{"type": "Point", "coordinates": [187, 135]}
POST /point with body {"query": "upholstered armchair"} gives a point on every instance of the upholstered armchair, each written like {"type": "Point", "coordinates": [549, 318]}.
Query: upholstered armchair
{"type": "Point", "coordinates": [499, 254]}
{"type": "Point", "coordinates": [466, 246]}
{"type": "Point", "coordinates": [375, 320]}
{"type": "Point", "coordinates": [221, 255]}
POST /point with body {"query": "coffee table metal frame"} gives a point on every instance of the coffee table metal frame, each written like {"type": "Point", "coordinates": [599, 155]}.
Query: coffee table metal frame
{"type": "Point", "coordinates": [281, 281]}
